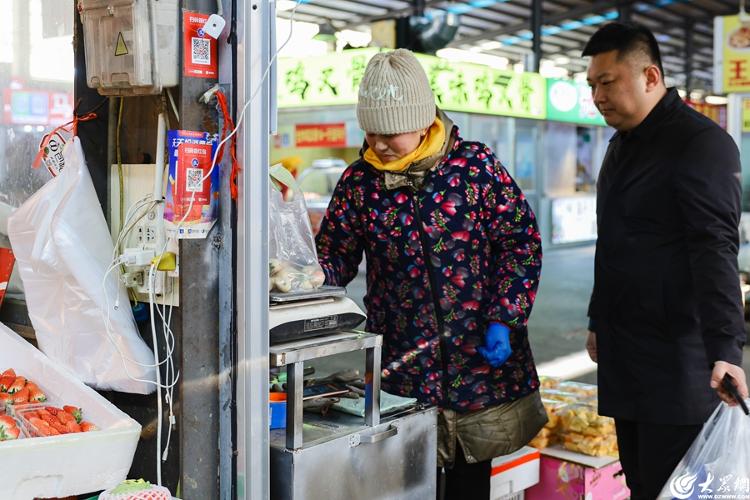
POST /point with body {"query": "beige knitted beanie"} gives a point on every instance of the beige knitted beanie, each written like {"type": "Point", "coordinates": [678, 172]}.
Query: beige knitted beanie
{"type": "Point", "coordinates": [395, 95]}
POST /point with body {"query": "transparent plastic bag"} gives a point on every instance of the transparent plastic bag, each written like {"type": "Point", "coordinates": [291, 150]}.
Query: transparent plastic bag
{"type": "Point", "coordinates": [293, 264]}
{"type": "Point", "coordinates": [63, 250]}
{"type": "Point", "coordinates": [717, 465]}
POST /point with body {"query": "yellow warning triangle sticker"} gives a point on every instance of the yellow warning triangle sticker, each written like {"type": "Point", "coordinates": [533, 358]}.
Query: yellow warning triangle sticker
{"type": "Point", "coordinates": [121, 49]}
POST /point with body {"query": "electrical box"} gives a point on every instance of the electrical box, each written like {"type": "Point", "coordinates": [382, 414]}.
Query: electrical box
{"type": "Point", "coordinates": [131, 46]}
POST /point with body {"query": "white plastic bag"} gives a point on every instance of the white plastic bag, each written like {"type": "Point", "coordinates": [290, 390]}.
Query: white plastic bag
{"type": "Point", "coordinates": [63, 251]}
{"type": "Point", "coordinates": [717, 465]}
{"type": "Point", "coordinates": [294, 260]}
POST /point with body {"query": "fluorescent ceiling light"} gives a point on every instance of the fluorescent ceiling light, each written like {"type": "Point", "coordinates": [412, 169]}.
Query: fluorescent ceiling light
{"type": "Point", "coordinates": [354, 38]}
{"type": "Point", "coordinates": [496, 62]}
{"type": "Point", "coordinates": [491, 45]}
{"type": "Point", "coordinates": [282, 5]}
{"type": "Point", "coordinates": [716, 100]}
{"type": "Point", "coordinates": [548, 70]}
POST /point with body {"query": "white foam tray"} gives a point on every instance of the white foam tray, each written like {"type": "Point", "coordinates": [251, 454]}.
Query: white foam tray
{"type": "Point", "coordinates": [70, 464]}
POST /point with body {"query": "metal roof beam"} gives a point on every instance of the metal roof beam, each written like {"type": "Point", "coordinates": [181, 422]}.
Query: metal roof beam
{"type": "Point", "coordinates": [524, 25]}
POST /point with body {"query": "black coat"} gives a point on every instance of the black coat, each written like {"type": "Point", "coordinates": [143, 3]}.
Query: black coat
{"type": "Point", "coordinates": [666, 302]}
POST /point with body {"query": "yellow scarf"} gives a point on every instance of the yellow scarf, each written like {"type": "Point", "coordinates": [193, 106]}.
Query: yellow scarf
{"type": "Point", "coordinates": [431, 144]}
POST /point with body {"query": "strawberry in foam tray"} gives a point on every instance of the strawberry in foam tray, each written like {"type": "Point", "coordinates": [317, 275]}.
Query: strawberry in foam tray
{"type": "Point", "coordinates": [53, 441]}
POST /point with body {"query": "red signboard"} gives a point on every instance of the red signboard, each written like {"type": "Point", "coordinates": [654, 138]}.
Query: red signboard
{"type": "Point", "coordinates": [6, 267]}
{"type": "Point", "coordinates": [320, 135]}
{"type": "Point", "coordinates": [200, 51]}
{"type": "Point", "coordinates": [36, 107]}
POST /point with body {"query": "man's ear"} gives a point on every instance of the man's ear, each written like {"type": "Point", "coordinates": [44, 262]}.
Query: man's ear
{"type": "Point", "coordinates": [653, 77]}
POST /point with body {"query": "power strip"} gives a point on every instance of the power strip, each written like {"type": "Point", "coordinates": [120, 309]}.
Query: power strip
{"type": "Point", "coordinates": [148, 234]}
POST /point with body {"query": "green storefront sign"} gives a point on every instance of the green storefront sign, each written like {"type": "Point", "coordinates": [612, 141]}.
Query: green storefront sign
{"type": "Point", "coordinates": [334, 80]}
{"type": "Point", "coordinates": [569, 101]}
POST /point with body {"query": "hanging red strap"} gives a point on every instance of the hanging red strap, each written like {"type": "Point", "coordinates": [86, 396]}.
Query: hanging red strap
{"type": "Point", "coordinates": [71, 126]}
{"type": "Point", "coordinates": [225, 130]}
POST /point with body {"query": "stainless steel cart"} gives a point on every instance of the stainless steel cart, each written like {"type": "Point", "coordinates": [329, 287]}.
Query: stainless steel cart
{"type": "Point", "coordinates": [344, 457]}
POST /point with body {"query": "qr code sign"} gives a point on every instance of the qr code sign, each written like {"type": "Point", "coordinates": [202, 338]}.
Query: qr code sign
{"type": "Point", "coordinates": [201, 53]}
{"type": "Point", "coordinates": [194, 180]}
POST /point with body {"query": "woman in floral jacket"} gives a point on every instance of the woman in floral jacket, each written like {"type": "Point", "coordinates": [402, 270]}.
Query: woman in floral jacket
{"type": "Point", "coordinates": [453, 261]}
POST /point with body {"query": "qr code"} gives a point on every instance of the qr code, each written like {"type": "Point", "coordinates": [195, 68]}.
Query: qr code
{"type": "Point", "coordinates": [201, 51]}
{"type": "Point", "coordinates": [194, 180]}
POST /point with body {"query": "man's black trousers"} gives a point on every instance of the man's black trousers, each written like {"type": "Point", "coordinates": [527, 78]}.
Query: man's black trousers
{"type": "Point", "coordinates": [650, 452]}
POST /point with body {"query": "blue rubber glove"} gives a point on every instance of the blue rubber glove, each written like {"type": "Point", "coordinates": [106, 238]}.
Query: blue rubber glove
{"type": "Point", "coordinates": [497, 344]}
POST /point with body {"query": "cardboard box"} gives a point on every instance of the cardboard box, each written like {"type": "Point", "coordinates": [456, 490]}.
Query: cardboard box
{"type": "Point", "coordinates": [512, 474]}
{"type": "Point", "coordinates": [565, 475]}
{"type": "Point", "coordinates": [69, 464]}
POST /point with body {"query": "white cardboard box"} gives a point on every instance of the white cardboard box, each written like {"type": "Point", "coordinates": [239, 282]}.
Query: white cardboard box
{"type": "Point", "coordinates": [557, 451]}
{"type": "Point", "coordinates": [512, 474]}
{"type": "Point", "coordinates": [70, 464]}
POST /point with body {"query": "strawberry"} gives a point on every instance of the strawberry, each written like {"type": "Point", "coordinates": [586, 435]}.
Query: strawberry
{"type": "Point", "coordinates": [5, 382]}
{"type": "Point", "coordinates": [43, 428]}
{"type": "Point", "coordinates": [75, 411]}
{"type": "Point", "coordinates": [52, 421]}
{"type": "Point", "coordinates": [65, 418]}
{"type": "Point", "coordinates": [52, 410]}
{"type": "Point", "coordinates": [72, 427]}
{"type": "Point", "coordinates": [27, 414]}
{"type": "Point", "coordinates": [7, 434]}
{"type": "Point", "coordinates": [8, 373]}
{"type": "Point", "coordinates": [88, 427]}
{"type": "Point", "coordinates": [35, 393]}
{"type": "Point", "coordinates": [6, 421]}
{"type": "Point", "coordinates": [5, 398]}
{"type": "Point", "coordinates": [18, 384]}
{"type": "Point", "coordinates": [21, 396]}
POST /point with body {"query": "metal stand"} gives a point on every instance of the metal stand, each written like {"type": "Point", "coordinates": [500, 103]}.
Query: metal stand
{"type": "Point", "coordinates": [294, 354]}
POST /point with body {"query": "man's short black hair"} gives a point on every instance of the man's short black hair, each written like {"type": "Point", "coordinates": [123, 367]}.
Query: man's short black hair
{"type": "Point", "coordinates": [625, 38]}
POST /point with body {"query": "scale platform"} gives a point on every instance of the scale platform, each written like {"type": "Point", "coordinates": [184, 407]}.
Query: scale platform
{"type": "Point", "coordinates": [311, 313]}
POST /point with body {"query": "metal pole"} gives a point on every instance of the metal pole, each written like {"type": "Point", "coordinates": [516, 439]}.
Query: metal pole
{"type": "Point", "coordinates": [536, 32]}
{"type": "Point", "coordinates": [689, 50]}
{"type": "Point", "coordinates": [624, 9]}
{"type": "Point", "coordinates": [295, 374]}
{"type": "Point", "coordinates": [227, 309]}
{"type": "Point", "coordinates": [372, 386]}
{"type": "Point", "coordinates": [254, 18]}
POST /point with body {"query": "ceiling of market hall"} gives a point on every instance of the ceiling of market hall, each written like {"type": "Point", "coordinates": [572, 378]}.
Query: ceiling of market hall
{"type": "Point", "coordinates": [503, 27]}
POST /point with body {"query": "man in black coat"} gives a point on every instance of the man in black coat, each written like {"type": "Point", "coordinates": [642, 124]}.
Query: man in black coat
{"type": "Point", "coordinates": [666, 319]}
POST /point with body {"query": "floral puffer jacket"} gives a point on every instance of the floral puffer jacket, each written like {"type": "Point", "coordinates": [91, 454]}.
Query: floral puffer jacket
{"type": "Point", "coordinates": [443, 261]}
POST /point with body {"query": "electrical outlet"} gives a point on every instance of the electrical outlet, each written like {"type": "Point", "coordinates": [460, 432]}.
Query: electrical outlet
{"type": "Point", "coordinates": [148, 234]}
{"type": "Point", "coordinates": [132, 279]}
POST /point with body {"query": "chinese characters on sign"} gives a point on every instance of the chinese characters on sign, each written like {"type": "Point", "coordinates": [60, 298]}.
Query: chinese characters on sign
{"type": "Point", "coordinates": [334, 80]}
{"type": "Point", "coordinates": [320, 135]}
{"type": "Point", "coordinates": [732, 58]}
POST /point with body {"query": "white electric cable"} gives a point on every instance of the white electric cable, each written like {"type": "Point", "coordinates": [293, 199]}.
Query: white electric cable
{"type": "Point", "coordinates": [151, 285]}
{"type": "Point", "coordinates": [242, 114]}
{"type": "Point", "coordinates": [166, 325]}
{"type": "Point", "coordinates": [108, 329]}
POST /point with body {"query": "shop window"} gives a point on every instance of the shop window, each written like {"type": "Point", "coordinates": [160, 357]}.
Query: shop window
{"type": "Point", "coordinates": [585, 167]}
{"type": "Point", "coordinates": [36, 78]}
{"type": "Point", "coordinates": [494, 131]}
{"type": "Point", "coordinates": [525, 161]}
